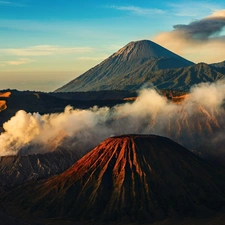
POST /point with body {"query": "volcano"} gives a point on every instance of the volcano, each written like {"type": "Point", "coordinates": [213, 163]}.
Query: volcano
{"type": "Point", "coordinates": [142, 178]}
{"type": "Point", "coordinates": [137, 57]}
{"type": "Point", "coordinates": [141, 63]}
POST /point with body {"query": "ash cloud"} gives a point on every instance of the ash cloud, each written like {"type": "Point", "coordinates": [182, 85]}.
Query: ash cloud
{"type": "Point", "coordinates": [197, 123]}
{"type": "Point", "coordinates": [198, 39]}
{"type": "Point", "coordinates": [203, 30]}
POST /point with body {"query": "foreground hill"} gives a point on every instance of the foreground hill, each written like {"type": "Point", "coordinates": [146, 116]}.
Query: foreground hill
{"type": "Point", "coordinates": [140, 57]}
{"type": "Point", "coordinates": [143, 178]}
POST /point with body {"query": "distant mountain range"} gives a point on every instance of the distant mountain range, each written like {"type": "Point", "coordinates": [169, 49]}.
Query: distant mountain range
{"type": "Point", "coordinates": [142, 63]}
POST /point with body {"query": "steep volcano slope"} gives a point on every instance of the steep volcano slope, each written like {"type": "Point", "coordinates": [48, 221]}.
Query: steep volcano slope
{"type": "Point", "coordinates": [134, 178]}
{"type": "Point", "coordinates": [141, 55]}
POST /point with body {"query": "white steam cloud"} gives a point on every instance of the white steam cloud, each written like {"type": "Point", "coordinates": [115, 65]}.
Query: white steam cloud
{"type": "Point", "coordinates": [197, 122]}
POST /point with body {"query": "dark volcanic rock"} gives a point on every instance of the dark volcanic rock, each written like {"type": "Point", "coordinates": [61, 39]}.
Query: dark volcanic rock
{"type": "Point", "coordinates": [17, 170]}
{"type": "Point", "coordinates": [6, 219]}
{"type": "Point", "coordinates": [142, 178]}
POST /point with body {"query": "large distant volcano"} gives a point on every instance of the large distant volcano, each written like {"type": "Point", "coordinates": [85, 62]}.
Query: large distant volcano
{"type": "Point", "coordinates": [128, 178]}
{"type": "Point", "coordinates": [140, 58]}
{"type": "Point", "coordinates": [141, 63]}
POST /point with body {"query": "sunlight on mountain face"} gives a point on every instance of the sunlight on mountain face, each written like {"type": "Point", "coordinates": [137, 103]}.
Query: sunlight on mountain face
{"type": "Point", "coordinates": [5, 94]}
{"type": "Point", "coordinates": [3, 105]}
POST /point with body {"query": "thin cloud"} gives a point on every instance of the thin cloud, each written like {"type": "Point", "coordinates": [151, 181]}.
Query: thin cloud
{"type": "Point", "coordinates": [9, 3]}
{"type": "Point", "coordinates": [47, 26]}
{"type": "Point", "coordinates": [138, 10]}
{"type": "Point", "coordinates": [192, 8]}
{"type": "Point", "coordinates": [17, 62]}
{"type": "Point", "coordinates": [20, 62]}
{"type": "Point", "coordinates": [42, 50]}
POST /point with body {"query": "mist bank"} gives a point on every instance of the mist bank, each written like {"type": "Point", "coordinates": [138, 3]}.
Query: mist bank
{"type": "Point", "coordinates": [197, 123]}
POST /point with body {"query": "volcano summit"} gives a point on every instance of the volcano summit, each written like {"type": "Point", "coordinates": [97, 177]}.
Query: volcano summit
{"type": "Point", "coordinates": [142, 178]}
{"type": "Point", "coordinates": [142, 63]}
{"type": "Point", "coordinates": [131, 63]}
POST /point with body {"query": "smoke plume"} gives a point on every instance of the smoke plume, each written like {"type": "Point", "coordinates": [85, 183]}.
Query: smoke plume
{"type": "Point", "coordinates": [197, 123]}
{"type": "Point", "coordinates": [197, 39]}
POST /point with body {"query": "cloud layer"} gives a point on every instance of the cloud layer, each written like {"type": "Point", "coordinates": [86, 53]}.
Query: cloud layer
{"type": "Point", "coordinates": [10, 3]}
{"type": "Point", "coordinates": [41, 50]}
{"type": "Point", "coordinates": [137, 10]}
{"type": "Point", "coordinates": [20, 61]}
{"type": "Point", "coordinates": [197, 123]}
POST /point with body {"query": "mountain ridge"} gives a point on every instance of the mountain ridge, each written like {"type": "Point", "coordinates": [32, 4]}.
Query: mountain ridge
{"type": "Point", "coordinates": [125, 60]}
{"type": "Point", "coordinates": [18, 169]}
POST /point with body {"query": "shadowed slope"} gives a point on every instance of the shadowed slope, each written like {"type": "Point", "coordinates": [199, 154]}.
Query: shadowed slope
{"type": "Point", "coordinates": [17, 170]}
{"type": "Point", "coordinates": [140, 177]}
{"type": "Point", "coordinates": [219, 66]}
{"type": "Point", "coordinates": [163, 78]}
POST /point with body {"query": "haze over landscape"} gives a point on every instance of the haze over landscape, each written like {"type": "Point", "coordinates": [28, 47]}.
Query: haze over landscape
{"type": "Point", "coordinates": [112, 113]}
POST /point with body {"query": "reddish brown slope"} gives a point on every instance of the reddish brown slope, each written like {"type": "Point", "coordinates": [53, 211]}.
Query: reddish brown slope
{"type": "Point", "coordinates": [140, 177]}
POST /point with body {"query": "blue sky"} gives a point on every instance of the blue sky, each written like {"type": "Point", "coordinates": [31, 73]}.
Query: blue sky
{"type": "Point", "coordinates": [45, 43]}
